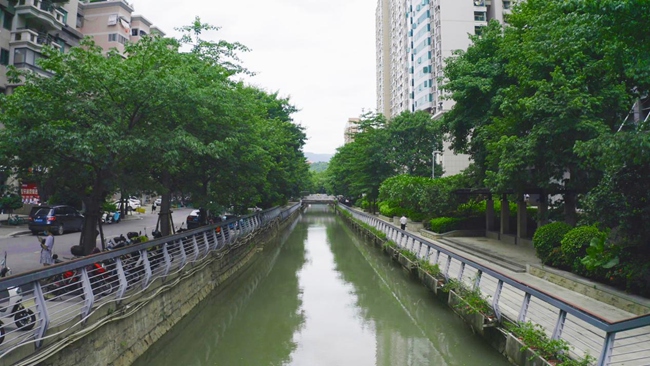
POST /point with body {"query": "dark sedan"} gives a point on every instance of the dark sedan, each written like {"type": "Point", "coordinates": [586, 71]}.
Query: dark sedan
{"type": "Point", "coordinates": [58, 219]}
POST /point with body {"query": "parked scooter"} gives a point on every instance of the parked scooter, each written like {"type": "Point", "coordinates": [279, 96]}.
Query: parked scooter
{"type": "Point", "coordinates": [25, 319]}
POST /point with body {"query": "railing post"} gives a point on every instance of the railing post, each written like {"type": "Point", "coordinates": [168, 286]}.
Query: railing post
{"type": "Point", "coordinates": [523, 311]}
{"type": "Point", "coordinates": [223, 236]}
{"type": "Point", "coordinates": [168, 261]}
{"type": "Point", "coordinates": [89, 298]}
{"type": "Point", "coordinates": [437, 257]}
{"type": "Point", "coordinates": [147, 268]}
{"type": "Point", "coordinates": [495, 299]}
{"type": "Point", "coordinates": [462, 269]}
{"type": "Point", "coordinates": [181, 246]}
{"type": "Point", "coordinates": [195, 244]}
{"type": "Point", "coordinates": [606, 353]}
{"type": "Point", "coordinates": [39, 300]}
{"type": "Point", "coordinates": [122, 279]}
{"type": "Point", "coordinates": [477, 280]}
{"type": "Point", "coordinates": [559, 325]}
{"type": "Point", "coordinates": [207, 243]}
{"type": "Point", "coordinates": [215, 237]}
{"type": "Point", "coordinates": [446, 273]}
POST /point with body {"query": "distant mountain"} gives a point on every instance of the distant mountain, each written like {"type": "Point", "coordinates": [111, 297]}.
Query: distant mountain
{"type": "Point", "coordinates": [315, 158]}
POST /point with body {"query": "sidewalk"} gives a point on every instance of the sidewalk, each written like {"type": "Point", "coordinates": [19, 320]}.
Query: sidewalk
{"type": "Point", "coordinates": [9, 231]}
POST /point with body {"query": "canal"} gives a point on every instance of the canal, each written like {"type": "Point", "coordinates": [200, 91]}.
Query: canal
{"type": "Point", "coordinates": [320, 295]}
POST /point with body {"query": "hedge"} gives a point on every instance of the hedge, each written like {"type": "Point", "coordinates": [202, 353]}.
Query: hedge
{"type": "Point", "coordinates": [574, 247]}
{"type": "Point", "coordinates": [547, 239]}
{"type": "Point", "coordinates": [444, 224]}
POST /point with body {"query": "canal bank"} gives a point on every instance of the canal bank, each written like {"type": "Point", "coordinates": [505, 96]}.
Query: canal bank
{"type": "Point", "coordinates": [322, 296]}
{"type": "Point", "coordinates": [117, 334]}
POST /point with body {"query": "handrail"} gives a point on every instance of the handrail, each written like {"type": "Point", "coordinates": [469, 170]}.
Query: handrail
{"type": "Point", "coordinates": [564, 307]}
{"type": "Point", "coordinates": [63, 296]}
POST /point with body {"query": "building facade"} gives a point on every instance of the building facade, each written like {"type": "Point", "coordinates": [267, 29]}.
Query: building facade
{"type": "Point", "coordinates": [351, 129]}
{"type": "Point", "coordinates": [26, 26]}
{"type": "Point", "coordinates": [434, 29]}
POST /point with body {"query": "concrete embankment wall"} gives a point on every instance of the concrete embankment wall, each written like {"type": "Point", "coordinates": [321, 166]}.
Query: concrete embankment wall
{"type": "Point", "coordinates": [489, 329]}
{"type": "Point", "coordinates": [119, 334]}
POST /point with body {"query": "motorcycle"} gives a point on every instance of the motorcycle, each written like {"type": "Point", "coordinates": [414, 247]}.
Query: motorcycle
{"type": "Point", "coordinates": [110, 217]}
{"type": "Point", "coordinates": [24, 319]}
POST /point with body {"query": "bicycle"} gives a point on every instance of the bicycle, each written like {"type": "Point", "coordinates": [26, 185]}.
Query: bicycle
{"type": "Point", "coordinates": [16, 220]}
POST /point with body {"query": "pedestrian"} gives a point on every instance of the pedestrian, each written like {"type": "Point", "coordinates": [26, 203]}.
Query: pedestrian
{"type": "Point", "coordinates": [402, 222]}
{"type": "Point", "coordinates": [153, 208]}
{"type": "Point", "coordinates": [47, 248]}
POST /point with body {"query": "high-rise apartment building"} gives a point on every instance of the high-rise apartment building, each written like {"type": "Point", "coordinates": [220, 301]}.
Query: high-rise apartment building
{"type": "Point", "coordinates": [26, 26]}
{"type": "Point", "coordinates": [351, 129]}
{"type": "Point", "coordinates": [434, 30]}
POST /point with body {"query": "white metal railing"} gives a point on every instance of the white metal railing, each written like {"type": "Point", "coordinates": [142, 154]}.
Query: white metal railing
{"type": "Point", "coordinates": [623, 342]}
{"type": "Point", "coordinates": [43, 8]}
{"type": "Point", "coordinates": [39, 305]}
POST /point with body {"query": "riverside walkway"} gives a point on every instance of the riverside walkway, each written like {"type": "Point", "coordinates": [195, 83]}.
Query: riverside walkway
{"type": "Point", "coordinates": [609, 334]}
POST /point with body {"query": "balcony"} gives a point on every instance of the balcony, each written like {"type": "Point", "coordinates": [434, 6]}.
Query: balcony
{"type": "Point", "coordinates": [41, 11]}
{"type": "Point", "coordinates": [26, 38]}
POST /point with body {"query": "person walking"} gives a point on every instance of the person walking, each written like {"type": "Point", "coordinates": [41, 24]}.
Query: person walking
{"type": "Point", "coordinates": [47, 248]}
{"type": "Point", "coordinates": [402, 222]}
{"type": "Point", "coordinates": [153, 208]}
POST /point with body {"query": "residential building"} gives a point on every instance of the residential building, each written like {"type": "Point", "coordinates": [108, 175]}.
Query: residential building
{"type": "Point", "coordinates": [434, 30]}
{"type": "Point", "coordinates": [111, 23]}
{"type": "Point", "coordinates": [351, 129]}
{"type": "Point", "coordinates": [28, 25]}
{"type": "Point", "coordinates": [392, 65]}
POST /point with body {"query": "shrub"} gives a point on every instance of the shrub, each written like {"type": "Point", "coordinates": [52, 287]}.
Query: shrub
{"type": "Point", "coordinates": [574, 246]}
{"type": "Point", "coordinates": [547, 238]}
{"type": "Point", "coordinates": [444, 224]}
{"type": "Point", "coordinates": [386, 209]}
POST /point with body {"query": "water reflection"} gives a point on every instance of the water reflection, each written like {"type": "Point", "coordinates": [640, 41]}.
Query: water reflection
{"type": "Point", "coordinates": [319, 295]}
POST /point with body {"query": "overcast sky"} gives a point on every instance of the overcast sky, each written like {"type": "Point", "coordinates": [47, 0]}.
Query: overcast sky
{"type": "Point", "coordinates": [319, 53]}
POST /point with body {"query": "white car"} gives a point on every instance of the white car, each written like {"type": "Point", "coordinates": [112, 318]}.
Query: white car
{"type": "Point", "coordinates": [130, 204]}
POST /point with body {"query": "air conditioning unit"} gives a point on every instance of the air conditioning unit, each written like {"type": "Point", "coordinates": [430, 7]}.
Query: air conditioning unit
{"type": "Point", "coordinates": [112, 19]}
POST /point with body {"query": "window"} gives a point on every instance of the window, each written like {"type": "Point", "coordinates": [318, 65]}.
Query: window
{"type": "Point", "coordinates": [477, 30]}
{"type": "Point", "coordinates": [506, 4]}
{"type": "Point", "coordinates": [7, 19]}
{"type": "Point", "coordinates": [112, 37]}
{"type": "Point", "coordinates": [479, 16]}
{"type": "Point", "coordinates": [135, 32]}
{"type": "Point", "coordinates": [4, 57]}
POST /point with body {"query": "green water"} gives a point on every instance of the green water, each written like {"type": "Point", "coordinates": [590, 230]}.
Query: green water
{"type": "Point", "coordinates": [320, 295]}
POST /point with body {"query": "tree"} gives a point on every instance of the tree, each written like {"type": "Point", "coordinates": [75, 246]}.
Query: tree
{"type": "Point", "coordinates": [412, 139]}
{"type": "Point", "coordinates": [89, 118]}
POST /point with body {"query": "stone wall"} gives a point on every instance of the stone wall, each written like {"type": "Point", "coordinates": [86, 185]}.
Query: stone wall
{"type": "Point", "coordinates": [119, 334]}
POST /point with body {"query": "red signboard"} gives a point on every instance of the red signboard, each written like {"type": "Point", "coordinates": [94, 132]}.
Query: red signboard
{"type": "Point", "coordinates": [29, 192]}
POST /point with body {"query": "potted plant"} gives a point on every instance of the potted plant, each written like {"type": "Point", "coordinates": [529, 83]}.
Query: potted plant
{"type": "Point", "coordinates": [430, 275]}
{"type": "Point", "coordinates": [407, 259]}
{"type": "Point", "coordinates": [470, 305]}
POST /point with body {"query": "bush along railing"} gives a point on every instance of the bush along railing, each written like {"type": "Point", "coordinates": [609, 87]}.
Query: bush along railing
{"type": "Point", "coordinates": [615, 342]}
{"type": "Point", "coordinates": [470, 305]}
{"type": "Point", "coordinates": [74, 295]}
{"type": "Point", "coordinates": [537, 346]}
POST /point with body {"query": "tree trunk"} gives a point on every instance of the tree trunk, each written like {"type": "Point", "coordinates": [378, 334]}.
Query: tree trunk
{"type": "Point", "coordinates": [164, 216]}
{"type": "Point", "coordinates": [570, 215]}
{"type": "Point", "coordinates": [88, 239]}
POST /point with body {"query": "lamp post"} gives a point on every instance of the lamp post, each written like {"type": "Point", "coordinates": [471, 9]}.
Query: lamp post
{"type": "Point", "coordinates": [433, 163]}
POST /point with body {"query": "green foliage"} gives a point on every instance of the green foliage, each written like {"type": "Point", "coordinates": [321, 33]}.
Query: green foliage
{"type": "Point", "coordinates": [11, 201]}
{"type": "Point", "coordinates": [474, 300]}
{"type": "Point", "coordinates": [109, 207]}
{"type": "Point", "coordinates": [432, 269]}
{"type": "Point", "coordinates": [409, 254]}
{"type": "Point", "coordinates": [600, 254]}
{"type": "Point", "coordinates": [319, 166]}
{"type": "Point", "coordinates": [534, 337]}
{"type": "Point", "coordinates": [547, 238]}
{"type": "Point", "coordinates": [574, 246]}
{"type": "Point", "coordinates": [386, 209]}
{"type": "Point", "coordinates": [444, 224]}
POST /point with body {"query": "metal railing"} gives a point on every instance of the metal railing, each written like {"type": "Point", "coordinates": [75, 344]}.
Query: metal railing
{"type": "Point", "coordinates": [624, 342]}
{"type": "Point", "coordinates": [39, 305]}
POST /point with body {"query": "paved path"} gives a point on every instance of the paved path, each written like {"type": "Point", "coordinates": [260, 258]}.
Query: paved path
{"type": "Point", "coordinates": [632, 349]}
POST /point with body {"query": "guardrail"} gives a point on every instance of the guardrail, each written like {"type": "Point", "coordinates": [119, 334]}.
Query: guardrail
{"type": "Point", "coordinates": [625, 342]}
{"type": "Point", "coordinates": [42, 304]}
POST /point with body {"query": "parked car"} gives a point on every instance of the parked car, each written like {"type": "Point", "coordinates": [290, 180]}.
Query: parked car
{"type": "Point", "coordinates": [58, 219]}
{"type": "Point", "coordinates": [193, 220]}
{"type": "Point", "coordinates": [131, 204]}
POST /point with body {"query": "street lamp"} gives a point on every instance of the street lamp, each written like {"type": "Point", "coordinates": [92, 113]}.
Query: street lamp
{"type": "Point", "coordinates": [433, 163]}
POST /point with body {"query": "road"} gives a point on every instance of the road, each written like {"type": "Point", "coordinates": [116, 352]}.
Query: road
{"type": "Point", "coordinates": [23, 251]}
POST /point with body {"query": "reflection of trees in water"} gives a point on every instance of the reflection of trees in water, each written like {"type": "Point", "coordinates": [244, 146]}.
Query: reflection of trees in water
{"type": "Point", "coordinates": [409, 320]}
{"type": "Point", "coordinates": [253, 318]}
